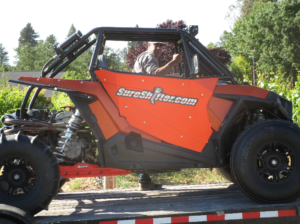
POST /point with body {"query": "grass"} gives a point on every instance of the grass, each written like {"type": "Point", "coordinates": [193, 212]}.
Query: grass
{"type": "Point", "coordinates": [75, 185]}
{"type": "Point", "coordinates": [185, 176]}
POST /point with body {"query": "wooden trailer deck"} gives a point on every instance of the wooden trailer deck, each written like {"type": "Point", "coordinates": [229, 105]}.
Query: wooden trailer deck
{"type": "Point", "coordinates": [194, 201]}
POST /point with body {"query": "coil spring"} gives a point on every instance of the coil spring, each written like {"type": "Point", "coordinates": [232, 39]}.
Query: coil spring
{"type": "Point", "coordinates": [73, 126]}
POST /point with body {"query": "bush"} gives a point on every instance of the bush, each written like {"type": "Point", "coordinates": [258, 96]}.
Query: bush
{"type": "Point", "coordinates": [11, 98]}
{"type": "Point", "coordinates": [60, 99]}
{"type": "Point", "coordinates": [283, 86]}
{"type": "Point", "coordinates": [241, 69]}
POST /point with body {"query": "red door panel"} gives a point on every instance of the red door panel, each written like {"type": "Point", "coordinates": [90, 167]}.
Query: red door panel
{"type": "Point", "coordinates": [178, 113]}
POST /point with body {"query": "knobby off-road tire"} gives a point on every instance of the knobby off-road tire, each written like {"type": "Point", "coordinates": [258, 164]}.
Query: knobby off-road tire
{"type": "Point", "coordinates": [29, 173]}
{"type": "Point", "coordinates": [265, 161]}
{"type": "Point", "coordinates": [225, 172]}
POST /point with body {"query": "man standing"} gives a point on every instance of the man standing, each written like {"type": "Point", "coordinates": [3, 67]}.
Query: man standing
{"type": "Point", "coordinates": [146, 62]}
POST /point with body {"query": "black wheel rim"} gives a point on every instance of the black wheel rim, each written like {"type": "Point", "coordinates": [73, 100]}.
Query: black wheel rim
{"type": "Point", "coordinates": [275, 162]}
{"type": "Point", "coordinates": [17, 177]}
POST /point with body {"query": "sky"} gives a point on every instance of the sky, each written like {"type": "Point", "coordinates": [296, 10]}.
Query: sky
{"type": "Point", "coordinates": [56, 17]}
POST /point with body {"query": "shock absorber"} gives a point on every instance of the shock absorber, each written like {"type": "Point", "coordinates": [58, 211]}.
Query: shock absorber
{"type": "Point", "coordinates": [73, 126]}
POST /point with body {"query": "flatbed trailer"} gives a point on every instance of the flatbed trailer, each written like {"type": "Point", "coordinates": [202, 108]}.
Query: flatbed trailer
{"type": "Point", "coordinates": [212, 203]}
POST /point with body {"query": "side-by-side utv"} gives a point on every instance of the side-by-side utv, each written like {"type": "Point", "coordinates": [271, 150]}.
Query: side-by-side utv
{"type": "Point", "coordinates": [124, 123]}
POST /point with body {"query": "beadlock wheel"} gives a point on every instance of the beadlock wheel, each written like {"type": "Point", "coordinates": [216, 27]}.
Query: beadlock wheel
{"type": "Point", "coordinates": [275, 162]}
{"type": "Point", "coordinates": [265, 161]}
{"type": "Point", "coordinates": [29, 173]}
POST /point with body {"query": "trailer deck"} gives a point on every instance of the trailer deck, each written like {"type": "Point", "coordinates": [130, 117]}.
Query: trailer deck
{"type": "Point", "coordinates": [173, 204]}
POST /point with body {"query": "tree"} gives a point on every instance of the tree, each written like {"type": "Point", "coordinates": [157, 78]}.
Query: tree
{"type": "Point", "coordinates": [241, 69]}
{"type": "Point", "coordinates": [26, 52]}
{"type": "Point", "coordinates": [169, 24]}
{"type": "Point", "coordinates": [3, 56]}
{"type": "Point", "coordinates": [243, 8]}
{"type": "Point", "coordinates": [26, 57]}
{"type": "Point", "coordinates": [44, 51]}
{"type": "Point", "coordinates": [72, 30]}
{"type": "Point", "coordinates": [247, 6]}
{"type": "Point", "coordinates": [211, 45]}
{"type": "Point", "coordinates": [221, 54]}
{"type": "Point", "coordinates": [28, 36]}
{"type": "Point", "coordinates": [34, 58]}
{"type": "Point", "coordinates": [270, 35]}
{"type": "Point", "coordinates": [51, 39]}
{"type": "Point", "coordinates": [115, 59]}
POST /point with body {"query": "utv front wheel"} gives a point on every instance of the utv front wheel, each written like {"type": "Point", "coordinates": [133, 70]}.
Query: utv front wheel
{"type": "Point", "coordinates": [29, 173]}
{"type": "Point", "coordinates": [265, 161]}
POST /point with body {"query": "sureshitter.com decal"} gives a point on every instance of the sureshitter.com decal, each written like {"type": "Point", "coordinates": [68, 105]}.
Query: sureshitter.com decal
{"type": "Point", "coordinates": [156, 95]}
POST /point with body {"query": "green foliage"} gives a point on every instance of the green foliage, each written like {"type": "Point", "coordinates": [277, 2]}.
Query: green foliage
{"type": "Point", "coordinates": [243, 8]}
{"type": "Point", "coordinates": [274, 82]}
{"type": "Point", "coordinates": [3, 80]}
{"type": "Point", "coordinates": [282, 86]}
{"type": "Point", "coordinates": [34, 58]}
{"type": "Point", "coordinates": [294, 96]}
{"type": "Point", "coordinates": [3, 55]}
{"type": "Point", "coordinates": [26, 56]}
{"type": "Point", "coordinates": [81, 64]}
{"type": "Point", "coordinates": [270, 34]}
{"type": "Point", "coordinates": [51, 39]}
{"type": "Point", "coordinates": [11, 98]}
{"type": "Point", "coordinates": [60, 99]}
{"type": "Point", "coordinates": [76, 75]}
{"type": "Point", "coordinates": [211, 45]}
{"type": "Point", "coordinates": [28, 36]}
{"type": "Point", "coordinates": [247, 6]}
{"type": "Point", "coordinates": [44, 51]}
{"type": "Point", "coordinates": [241, 69]}
{"type": "Point", "coordinates": [115, 59]}
{"type": "Point", "coordinates": [75, 185]}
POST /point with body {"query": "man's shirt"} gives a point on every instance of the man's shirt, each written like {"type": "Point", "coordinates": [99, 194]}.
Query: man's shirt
{"type": "Point", "coordinates": [146, 63]}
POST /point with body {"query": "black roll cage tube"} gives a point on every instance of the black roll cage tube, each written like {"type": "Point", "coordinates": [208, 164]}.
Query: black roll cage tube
{"type": "Point", "coordinates": [78, 46]}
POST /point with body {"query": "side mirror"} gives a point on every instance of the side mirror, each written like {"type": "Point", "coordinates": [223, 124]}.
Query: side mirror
{"type": "Point", "coordinates": [196, 63]}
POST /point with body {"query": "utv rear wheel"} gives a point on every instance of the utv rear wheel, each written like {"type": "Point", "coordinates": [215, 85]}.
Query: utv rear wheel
{"type": "Point", "coordinates": [265, 161]}
{"type": "Point", "coordinates": [29, 173]}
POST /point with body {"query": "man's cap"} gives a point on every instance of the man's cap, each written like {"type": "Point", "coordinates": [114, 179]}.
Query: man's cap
{"type": "Point", "coordinates": [158, 43]}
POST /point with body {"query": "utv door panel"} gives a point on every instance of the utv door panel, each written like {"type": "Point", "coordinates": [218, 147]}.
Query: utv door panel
{"type": "Point", "coordinates": [178, 117]}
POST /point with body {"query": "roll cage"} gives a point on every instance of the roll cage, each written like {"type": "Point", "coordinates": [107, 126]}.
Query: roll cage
{"type": "Point", "coordinates": [77, 44]}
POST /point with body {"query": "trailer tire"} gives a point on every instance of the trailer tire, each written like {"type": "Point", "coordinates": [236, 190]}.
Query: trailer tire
{"type": "Point", "coordinates": [225, 172]}
{"type": "Point", "coordinates": [265, 161]}
{"type": "Point", "coordinates": [29, 173]}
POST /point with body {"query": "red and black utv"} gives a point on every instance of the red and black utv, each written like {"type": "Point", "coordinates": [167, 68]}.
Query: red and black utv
{"type": "Point", "coordinates": [137, 123]}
